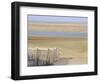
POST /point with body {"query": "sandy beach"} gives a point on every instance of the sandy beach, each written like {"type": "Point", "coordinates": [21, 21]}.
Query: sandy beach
{"type": "Point", "coordinates": [74, 48]}
{"type": "Point", "coordinates": [66, 33]}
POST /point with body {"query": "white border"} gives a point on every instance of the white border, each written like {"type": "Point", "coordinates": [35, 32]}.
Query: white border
{"type": "Point", "coordinates": [24, 70]}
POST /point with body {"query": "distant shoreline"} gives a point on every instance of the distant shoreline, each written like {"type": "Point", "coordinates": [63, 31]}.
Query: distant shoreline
{"type": "Point", "coordinates": [44, 37]}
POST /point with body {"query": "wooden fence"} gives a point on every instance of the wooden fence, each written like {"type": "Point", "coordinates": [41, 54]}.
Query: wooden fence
{"type": "Point", "coordinates": [42, 56]}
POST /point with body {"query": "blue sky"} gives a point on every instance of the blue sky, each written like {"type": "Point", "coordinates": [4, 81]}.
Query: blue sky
{"type": "Point", "coordinates": [56, 19]}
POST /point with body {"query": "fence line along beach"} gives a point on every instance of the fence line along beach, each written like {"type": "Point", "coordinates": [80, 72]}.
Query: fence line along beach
{"type": "Point", "coordinates": [57, 40]}
{"type": "Point", "coordinates": [43, 56]}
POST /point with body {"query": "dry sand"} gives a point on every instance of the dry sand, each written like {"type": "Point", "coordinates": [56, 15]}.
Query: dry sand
{"type": "Point", "coordinates": [74, 48]}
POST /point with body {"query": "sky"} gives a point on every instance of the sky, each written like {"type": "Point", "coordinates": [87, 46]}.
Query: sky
{"type": "Point", "coordinates": [56, 19]}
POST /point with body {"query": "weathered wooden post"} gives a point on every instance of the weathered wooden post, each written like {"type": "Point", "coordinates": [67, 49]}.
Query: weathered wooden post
{"type": "Point", "coordinates": [37, 54]}
{"type": "Point", "coordinates": [47, 56]}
